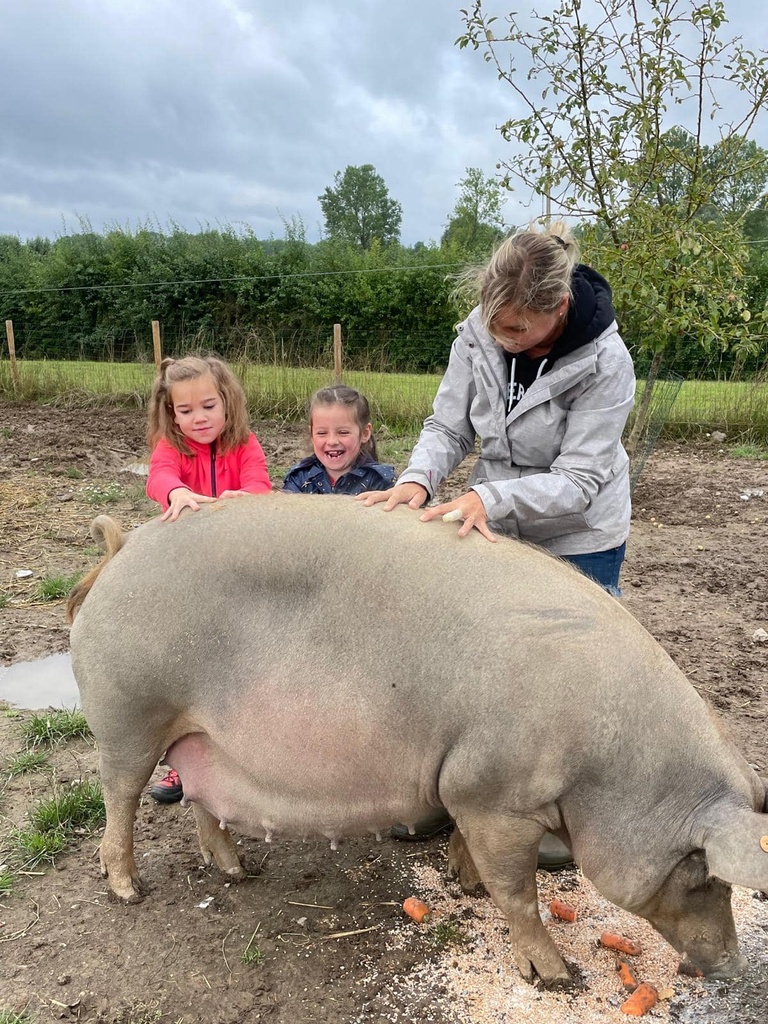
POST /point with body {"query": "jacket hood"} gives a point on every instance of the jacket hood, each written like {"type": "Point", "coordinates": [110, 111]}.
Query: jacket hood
{"type": "Point", "coordinates": [590, 311]}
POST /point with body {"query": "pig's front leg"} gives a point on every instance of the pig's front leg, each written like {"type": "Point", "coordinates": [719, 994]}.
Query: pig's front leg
{"type": "Point", "coordinates": [504, 851]}
{"type": "Point", "coordinates": [217, 844]}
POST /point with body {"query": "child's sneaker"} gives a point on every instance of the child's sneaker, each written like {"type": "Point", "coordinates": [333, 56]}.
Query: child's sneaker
{"type": "Point", "coordinates": [168, 790]}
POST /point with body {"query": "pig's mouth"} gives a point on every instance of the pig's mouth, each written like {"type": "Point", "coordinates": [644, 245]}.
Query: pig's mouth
{"type": "Point", "coordinates": [728, 968]}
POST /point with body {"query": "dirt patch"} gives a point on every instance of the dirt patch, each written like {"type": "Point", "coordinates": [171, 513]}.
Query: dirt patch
{"type": "Point", "coordinates": [696, 576]}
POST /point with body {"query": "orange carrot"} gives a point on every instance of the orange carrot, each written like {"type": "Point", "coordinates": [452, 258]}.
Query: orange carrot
{"type": "Point", "coordinates": [417, 910]}
{"type": "Point", "coordinates": [620, 944]}
{"type": "Point", "coordinates": [628, 980]}
{"type": "Point", "coordinates": [641, 1001]}
{"type": "Point", "coordinates": [563, 910]}
{"type": "Point", "coordinates": [686, 967]}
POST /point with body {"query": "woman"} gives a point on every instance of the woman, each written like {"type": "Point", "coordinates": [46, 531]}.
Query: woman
{"type": "Point", "coordinates": [539, 373]}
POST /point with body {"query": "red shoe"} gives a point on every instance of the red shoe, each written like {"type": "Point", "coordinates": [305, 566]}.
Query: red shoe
{"type": "Point", "coordinates": [168, 790]}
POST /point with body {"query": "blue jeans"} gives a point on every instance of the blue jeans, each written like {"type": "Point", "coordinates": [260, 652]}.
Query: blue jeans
{"type": "Point", "coordinates": [603, 567]}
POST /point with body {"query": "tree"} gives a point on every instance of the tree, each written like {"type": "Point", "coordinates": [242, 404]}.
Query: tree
{"type": "Point", "coordinates": [604, 148]}
{"type": "Point", "coordinates": [476, 223]}
{"type": "Point", "coordinates": [359, 208]}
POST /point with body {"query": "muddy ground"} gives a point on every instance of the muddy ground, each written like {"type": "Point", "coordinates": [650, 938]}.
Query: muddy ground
{"type": "Point", "coordinates": [696, 576]}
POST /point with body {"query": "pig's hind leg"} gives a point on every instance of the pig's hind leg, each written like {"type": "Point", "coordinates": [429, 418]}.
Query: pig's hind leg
{"type": "Point", "coordinates": [503, 849]}
{"type": "Point", "coordinates": [122, 785]}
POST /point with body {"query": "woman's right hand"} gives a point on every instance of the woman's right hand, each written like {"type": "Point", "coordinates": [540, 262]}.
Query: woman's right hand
{"type": "Point", "coordinates": [410, 494]}
{"type": "Point", "coordinates": [181, 498]}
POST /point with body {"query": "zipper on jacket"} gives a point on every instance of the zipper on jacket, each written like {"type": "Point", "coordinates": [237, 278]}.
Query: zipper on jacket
{"type": "Point", "coordinates": [213, 470]}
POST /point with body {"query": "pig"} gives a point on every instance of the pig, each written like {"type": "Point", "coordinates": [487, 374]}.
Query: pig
{"type": "Point", "coordinates": [312, 666]}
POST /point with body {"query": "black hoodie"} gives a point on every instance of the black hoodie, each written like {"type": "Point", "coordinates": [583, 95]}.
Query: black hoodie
{"type": "Point", "coordinates": [590, 312]}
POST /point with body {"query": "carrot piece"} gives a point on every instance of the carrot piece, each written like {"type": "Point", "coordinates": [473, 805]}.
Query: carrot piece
{"type": "Point", "coordinates": [641, 1001]}
{"type": "Point", "coordinates": [620, 943]}
{"type": "Point", "coordinates": [628, 979]}
{"type": "Point", "coordinates": [687, 968]}
{"type": "Point", "coordinates": [417, 910]}
{"type": "Point", "coordinates": [563, 910]}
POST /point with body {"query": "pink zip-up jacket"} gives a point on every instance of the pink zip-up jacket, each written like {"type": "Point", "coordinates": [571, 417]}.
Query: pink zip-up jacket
{"type": "Point", "coordinates": [207, 472]}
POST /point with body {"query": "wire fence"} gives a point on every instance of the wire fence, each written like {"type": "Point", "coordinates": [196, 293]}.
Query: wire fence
{"type": "Point", "coordinates": [280, 374]}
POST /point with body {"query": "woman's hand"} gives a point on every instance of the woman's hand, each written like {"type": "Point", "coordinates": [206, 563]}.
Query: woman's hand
{"type": "Point", "coordinates": [468, 507]}
{"type": "Point", "coordinates": [181, 498]}
{"type": "Point", "coordinates": [412, 495]}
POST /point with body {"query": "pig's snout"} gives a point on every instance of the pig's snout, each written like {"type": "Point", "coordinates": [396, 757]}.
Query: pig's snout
{"type": "Point", "coordinates": [727, 969]}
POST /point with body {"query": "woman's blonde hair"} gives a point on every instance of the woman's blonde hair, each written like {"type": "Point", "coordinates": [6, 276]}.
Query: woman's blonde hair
{"type": "Point", "coordinates": [349, 398]}
{"type": "Point", "coordinates": [161, 422]}
{"type": "Point", "coordinates": [529, 270]}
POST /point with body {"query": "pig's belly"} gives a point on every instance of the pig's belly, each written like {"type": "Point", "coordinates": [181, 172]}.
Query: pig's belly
{"type": "Point", "coordinates": [296, 797]}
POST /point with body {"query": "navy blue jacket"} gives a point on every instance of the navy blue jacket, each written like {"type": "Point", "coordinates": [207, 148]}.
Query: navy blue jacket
{"type": "Point", "coordinates": [309, 477]}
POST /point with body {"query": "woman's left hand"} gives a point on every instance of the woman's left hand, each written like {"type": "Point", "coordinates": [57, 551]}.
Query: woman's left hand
{"type": "Point", "coordinates": [468, 507]}
{"type": "Point", "coordinates": [234, 494]}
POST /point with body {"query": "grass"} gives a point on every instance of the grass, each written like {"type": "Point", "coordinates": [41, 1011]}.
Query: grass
{"type": "Point", "coordinates": [749, 451]}
{"type": "Point", "coordinates": [52, 588]}
{"type": "Point", "coordinates": [73, 473]}
{"type": "Point", "coordinates": [49, 728]}
{"type": "Point", "coordinates": [56, 823]}
{"type": "Point", "coordinates": [28, 761]}
{"type": "Point", "coordinates": [12, 1017]}
{"type": "Point", "coordinates": [4, 599]}
{"type": "Point", "coordinates": [447, 933]}
{"type": "Point", "coordinates": [7, 881]}
{"type": "Point", "coordinates": [102, 494]}
{"type": "Point", "coordinates": [252, 954]}
{"type": "Point", "coordinates": [399, 401]}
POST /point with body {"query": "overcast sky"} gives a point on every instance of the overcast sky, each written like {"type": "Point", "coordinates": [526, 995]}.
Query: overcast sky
{"type": "Point", "coordinates": [240, 112]}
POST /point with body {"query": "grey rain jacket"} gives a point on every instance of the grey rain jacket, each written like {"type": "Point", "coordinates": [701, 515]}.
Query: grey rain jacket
{"type": "Point", "coordinates": [553, 471]}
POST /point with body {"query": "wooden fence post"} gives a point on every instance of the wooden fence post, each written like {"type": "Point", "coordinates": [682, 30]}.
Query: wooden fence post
{"type": "Point", "coordinates": [337, 367]}
{"type": "Point", "coordinates": [156, 343]}
{"type": "Point", "coordinates": [12, 354]}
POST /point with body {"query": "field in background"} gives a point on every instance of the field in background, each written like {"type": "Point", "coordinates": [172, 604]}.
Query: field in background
{"type": "Point", "coordinates": [399, 401]}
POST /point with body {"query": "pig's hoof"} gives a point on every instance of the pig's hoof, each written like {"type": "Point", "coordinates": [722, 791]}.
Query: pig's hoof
{"type": "Point", "coordinates": [128, 893]}
{"type": "Point", "coordinates": [544, 971]}
{"type": "Point", "coordinates": [465, 873]}
{"type": "Point", "coordinates": [125, 885]}
{"type": "Point", "coordinates": [568, 984]}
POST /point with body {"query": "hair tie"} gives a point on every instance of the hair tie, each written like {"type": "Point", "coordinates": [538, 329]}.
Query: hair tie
{"type": "Point", "coordinates": [560, 241]}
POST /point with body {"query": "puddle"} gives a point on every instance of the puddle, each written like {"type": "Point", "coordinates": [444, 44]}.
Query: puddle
{"type": "Point", "coordinates": [40, 684]}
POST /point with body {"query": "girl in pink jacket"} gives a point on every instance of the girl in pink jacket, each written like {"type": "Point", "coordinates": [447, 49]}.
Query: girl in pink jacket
{"type": "Point", "coordinates": [202, 450]}
{"type": "Point", "coordinates": [199, 436]}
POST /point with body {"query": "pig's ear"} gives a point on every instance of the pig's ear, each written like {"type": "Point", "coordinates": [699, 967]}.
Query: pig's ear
{"type": "Point", "coordinates": [737, 849]}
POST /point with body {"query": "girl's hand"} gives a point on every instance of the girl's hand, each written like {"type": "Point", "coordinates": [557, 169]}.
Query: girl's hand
{"type": "Point", "coordinates": [413, 495]}
{"type": "Point", "coordinates": [468, 507]}
{"type": "Point", "coordinates": [181, 498]}
{"type": "Point", "coordinates": [233, 494]}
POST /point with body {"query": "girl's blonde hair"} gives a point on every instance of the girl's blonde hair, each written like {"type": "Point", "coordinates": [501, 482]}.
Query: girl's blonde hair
{"type": "Point", "coordinates": [161, 422]}
{"type": "Point", "coordinates": [529, 270]}
{"type": "Point", "coordinates": [339, 394]}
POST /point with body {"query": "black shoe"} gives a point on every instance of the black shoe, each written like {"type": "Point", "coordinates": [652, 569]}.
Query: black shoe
{"type": "Point", "coordinates": [168, 790]}
{"type": "Point", "coordinates": [435, 823]}
{"type": "Point", "coordinates": [553, 854]}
